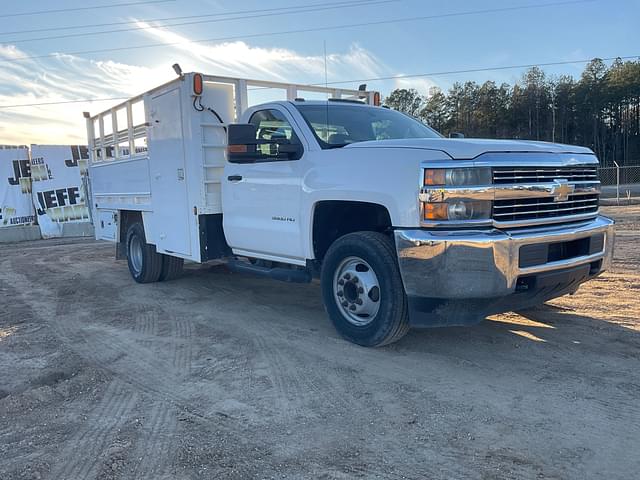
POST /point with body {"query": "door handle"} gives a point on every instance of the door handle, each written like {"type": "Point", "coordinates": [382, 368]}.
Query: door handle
{"type": "Point", "coordinates": [234, 178]}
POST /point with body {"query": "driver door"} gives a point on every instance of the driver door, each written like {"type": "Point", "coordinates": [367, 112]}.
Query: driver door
{"type": "Point", "coordinates": [262, 200]}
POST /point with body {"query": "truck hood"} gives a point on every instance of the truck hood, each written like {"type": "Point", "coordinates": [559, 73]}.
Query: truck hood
{"type": "Point", "coordinates": [469, 148]}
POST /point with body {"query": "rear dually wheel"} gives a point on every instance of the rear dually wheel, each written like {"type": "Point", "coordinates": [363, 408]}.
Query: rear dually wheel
{"type": "Point", "coordinates": [145, 264]}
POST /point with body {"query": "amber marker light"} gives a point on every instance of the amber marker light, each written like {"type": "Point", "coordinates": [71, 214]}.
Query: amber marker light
{"type": "Point", "coordinates": [436, 211]}
{"type": "Point", "coordinates": [435, 177]}
{"type": "Point", "coordinates": [197, 84]}
{"type": "Point", "coordinates": [237, 148]}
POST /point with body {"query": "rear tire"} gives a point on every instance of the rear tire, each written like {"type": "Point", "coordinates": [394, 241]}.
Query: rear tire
{"type": "Point", "coordinates": [171, 268]}
{"type": "Point", "coordinates": [145, 264]}
{"type": "Point", "coordinates": [362, 289]}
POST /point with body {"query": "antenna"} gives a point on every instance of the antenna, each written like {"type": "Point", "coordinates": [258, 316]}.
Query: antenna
{"type": "Point", "coordinates": [326, 80]}
{"type": "Point", "coordinates": [326, 83]}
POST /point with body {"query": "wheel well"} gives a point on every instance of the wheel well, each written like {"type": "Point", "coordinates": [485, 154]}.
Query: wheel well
{"type": "Point", "coordinates": [126, 219]}
{"type": "Point", "coordinates": [333, 219]}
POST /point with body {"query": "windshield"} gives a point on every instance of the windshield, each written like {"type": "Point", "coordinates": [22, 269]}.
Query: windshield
{"type": "Point", "coordinates": [338, 125]}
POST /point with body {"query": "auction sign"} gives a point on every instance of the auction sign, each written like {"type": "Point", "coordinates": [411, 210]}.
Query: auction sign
{"type": "Point", "coordinates": [16, 207]}
{"type": "Point", "coordinates": [57, 172]}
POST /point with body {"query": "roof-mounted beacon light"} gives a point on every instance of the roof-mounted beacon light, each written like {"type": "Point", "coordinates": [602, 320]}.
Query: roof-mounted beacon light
{"type": "Point", "coordinates": [177, 69]}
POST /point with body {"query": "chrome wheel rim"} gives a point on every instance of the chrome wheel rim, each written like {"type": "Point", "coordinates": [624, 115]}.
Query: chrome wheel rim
{"type": "Point", "coordinates": [135, 253]}
{"type": "Point", "coordinates": [356, 291]}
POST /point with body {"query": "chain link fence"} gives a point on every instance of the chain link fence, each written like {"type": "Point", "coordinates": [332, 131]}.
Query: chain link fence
{"type": "Point", "coordinates": [620, 183]}
{"type": "Point", "coordinates": [624, 175]}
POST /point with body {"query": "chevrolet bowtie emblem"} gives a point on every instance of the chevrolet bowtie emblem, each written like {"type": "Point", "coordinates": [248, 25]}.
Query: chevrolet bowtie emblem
{"type": "Point", "coordinates": [561, 190]}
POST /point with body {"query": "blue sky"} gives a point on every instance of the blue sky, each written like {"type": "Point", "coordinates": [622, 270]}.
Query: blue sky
{"type": "Point", "coordinates": [571, 31]}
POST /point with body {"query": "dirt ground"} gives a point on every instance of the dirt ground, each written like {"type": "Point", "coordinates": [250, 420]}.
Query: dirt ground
{"type": "Point", "coordinates": [225, 376]}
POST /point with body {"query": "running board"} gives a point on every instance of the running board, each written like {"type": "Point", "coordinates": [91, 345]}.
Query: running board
{"type": "Point", "coordinates": [282, 274]}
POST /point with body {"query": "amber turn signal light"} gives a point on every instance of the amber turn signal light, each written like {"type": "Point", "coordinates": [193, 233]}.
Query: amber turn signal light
{"type": "Point", "coordinates": [436, 211]}
{"type": "Point", "coordinates": [237, 148]}
{"type": "Point", "coordinates": [435, 176]}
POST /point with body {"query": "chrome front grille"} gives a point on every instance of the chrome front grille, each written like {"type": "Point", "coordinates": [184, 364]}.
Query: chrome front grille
{"type": "Point", "coordinates": [542, 195]}
{"type": "Point", "coordinates": [503, 175]}
{"type": "Point", "coordinates": [520, 209]}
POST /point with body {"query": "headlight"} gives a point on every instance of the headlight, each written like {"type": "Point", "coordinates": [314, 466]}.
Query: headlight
{"type": "Point", "coordinates": [457, 210]}
{"type": "Point", "coordinates": [457, 177]}
{"type": "Point", "coordinates": [445, 197]}
{"type": "Point", "coordinates": [465, 210]}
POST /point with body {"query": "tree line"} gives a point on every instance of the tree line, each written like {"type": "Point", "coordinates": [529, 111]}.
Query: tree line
{"type": "Point", "coordinates": [600, 110]}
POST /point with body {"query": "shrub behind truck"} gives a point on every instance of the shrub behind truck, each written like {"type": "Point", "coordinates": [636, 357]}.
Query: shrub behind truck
{"type": "Point", "coordinates": [402, 227]}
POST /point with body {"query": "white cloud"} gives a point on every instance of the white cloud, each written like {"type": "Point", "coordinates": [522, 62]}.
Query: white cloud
{"type": "Point", "coordinates": [67, 77]}
{"type": "Point", "coordinates": [421, 84]}
{"type": "Point", "coordinates": [238, 58]}
{"type": "Point", "coordinates": [58, 79]}
{"type": "Point", "coordinates": [10, 51]}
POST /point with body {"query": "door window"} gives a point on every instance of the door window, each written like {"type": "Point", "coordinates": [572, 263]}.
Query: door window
{"type": "Point", "coordinates": [272, 125]}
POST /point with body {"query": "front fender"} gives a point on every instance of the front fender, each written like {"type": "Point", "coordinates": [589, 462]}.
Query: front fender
{"type": "Point", "coordinates": [389, 177]}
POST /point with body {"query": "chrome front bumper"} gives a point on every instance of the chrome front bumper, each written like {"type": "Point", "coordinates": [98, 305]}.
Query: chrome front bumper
{"type": "Point", "coordinates": [484, 264]}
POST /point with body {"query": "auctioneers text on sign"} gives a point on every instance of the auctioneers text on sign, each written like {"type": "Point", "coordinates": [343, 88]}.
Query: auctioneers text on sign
{"type": "Point", "coordinates": [16, 207]}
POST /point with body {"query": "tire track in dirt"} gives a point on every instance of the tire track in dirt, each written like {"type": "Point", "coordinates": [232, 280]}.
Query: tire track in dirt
{"type": "Point", "coordinates": [122, 356]}
{"type": "Point", "coordinates": [287, 387]}
{"type": "Point", "coordinates": [182, 330]}
{"type": "Point", "coordinates": [295, 386]}
{"type": "Point", "coordinates": [107, 348]}
{"type": "Point", "coordinates": [154, 445]}
{"type": "Point", "coordinates": [146, 325]}
{"type": "Point", "coordinates": [85, 447]}
{"type": "Point", "coordinates": [155, 442]}
{"type": "Point", "coordinates": [169, 337]}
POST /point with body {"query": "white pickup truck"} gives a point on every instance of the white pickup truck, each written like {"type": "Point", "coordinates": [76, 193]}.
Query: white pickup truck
{"type": "Point", "coordinates": [402, 226]}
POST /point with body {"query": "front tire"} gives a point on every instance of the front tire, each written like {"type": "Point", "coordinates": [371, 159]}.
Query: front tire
{"type": "Point", "coordinates": [362, 289]}
{"type": "Point", "coordinates": [145, 264]}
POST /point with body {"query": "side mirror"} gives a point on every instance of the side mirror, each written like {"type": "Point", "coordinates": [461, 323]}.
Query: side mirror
{"type": "Point", "coordinates": [244, 147]}
{"type": "Point", "coordinates": [241, 142]}
{"type": "Point", "coordinates": [456, 135]}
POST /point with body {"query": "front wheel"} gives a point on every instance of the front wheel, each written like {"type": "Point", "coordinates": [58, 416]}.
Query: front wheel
{"type": "Point", "coordinates": [362, 289]}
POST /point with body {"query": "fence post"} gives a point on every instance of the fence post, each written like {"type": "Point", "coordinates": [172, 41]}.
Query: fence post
{"type": "Point", "coordinates": [617, 182]}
